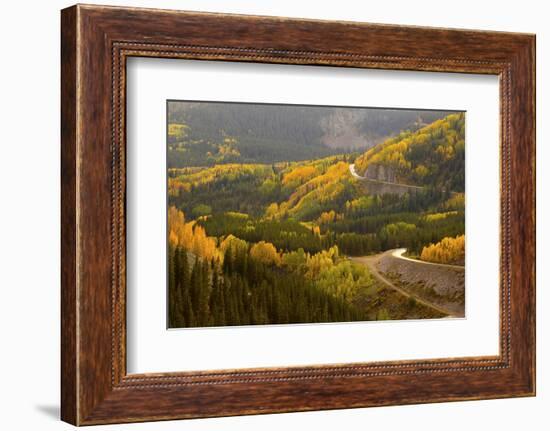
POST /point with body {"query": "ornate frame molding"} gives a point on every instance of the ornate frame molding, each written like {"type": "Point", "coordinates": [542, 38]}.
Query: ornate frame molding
{"type": "Point", "coordinates": [96, 41]}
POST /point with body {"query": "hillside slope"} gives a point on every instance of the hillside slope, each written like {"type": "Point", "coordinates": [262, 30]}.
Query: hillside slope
{"type": "Point", "coordinates": [433, 156]}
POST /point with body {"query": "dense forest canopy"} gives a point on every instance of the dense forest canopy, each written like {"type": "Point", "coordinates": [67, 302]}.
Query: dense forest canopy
{"type": "Point", "coordinates": [263, 215]}
{"type": "Point", "coordinates": [209, 133]}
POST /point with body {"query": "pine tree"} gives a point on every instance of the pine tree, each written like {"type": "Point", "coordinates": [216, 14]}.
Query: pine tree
{"type": "Point", "coordinates": [172, 287]}
{"type": "Point", "coordinates": [184, 285]}
{"type": "Point", "coordinates": [204, 294]}
{"type": "Point", "coordinates": [194, 288]}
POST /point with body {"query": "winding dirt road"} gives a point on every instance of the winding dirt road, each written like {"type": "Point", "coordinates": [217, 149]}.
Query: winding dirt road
{"type": "Point", "coordinates": [398, 252]}
{"type": "Point", "coordinates": [371, 263]}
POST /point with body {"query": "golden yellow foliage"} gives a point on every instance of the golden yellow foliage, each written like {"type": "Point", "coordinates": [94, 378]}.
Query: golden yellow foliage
{"type": "Point", "coordinates": [361, 203]}
{"type": "Point", "coordinates": [299, 175]}
{"type": "Point", "coordinates": [178, 131]}
{"type": "Point", "coordinates": [439, 216]}
{"type": "Point", "coordinates": [272, 210]}
{"type": "Point", "coordinates": [203, 245]}
{"type": "Point", "coordinates": [175, 187]}
{"type": "Point", "coordinates": [321, 261]}
{"type": "Point", "coordinates": [237, 215]}
{"type": "Point", "coordinates": [318, 190]}
{"type": "Point", "coordinates": [327, 217]}
{"type": "Point", "coordinates": [229, 171]}
{"type": "Point", "coordinates": [455, 202]}
{"type": "Point", "coordinates": [266, 253]}
{"type": "Point", "coordinates": [448, 250]}
{"type": "Point", "coordinates": [421, 171]}
{"type": "Point", "coordinates": [227, 150]}
{"type": "Point", "coordinates": [190, 236]}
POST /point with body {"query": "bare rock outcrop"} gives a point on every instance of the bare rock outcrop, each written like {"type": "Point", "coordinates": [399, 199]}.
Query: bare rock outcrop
{"type": "Point", "coordinates": [380, 173]}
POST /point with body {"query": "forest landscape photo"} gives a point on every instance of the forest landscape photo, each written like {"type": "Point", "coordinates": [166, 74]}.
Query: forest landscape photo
{"type": "Point", "coordinates": [288, 214]}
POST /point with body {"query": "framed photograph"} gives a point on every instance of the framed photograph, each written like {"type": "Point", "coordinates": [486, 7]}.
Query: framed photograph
{"type": "Point", "coordinates": [264, 215]}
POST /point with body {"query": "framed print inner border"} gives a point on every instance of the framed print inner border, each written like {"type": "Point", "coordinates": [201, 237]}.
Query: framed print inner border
{"type": "Point", "coordinates": [121, 52]}
{"type": "Point", "coordinates": [96, 42]}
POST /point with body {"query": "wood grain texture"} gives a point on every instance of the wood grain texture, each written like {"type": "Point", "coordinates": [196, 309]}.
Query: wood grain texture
{"type": "Point", "coordinates": [68, 218]}
{"type": "Point", "coordinates": [96, 41]}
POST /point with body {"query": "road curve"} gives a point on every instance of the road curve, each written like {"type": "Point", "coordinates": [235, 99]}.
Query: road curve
{"type": "Point", "coordinates": [398, 253]}
{"type": "Point", "coordinates": [371, 261]}
{"type": "Point", "coordinates": [354, 173]}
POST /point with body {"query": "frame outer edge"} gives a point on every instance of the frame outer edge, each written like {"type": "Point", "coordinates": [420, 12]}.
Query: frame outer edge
{"type": "Point", "coordinates": [87, 397]}
{"type": "Point", "coordinates": [69, 411]}
{"type": "Point", "coordinates": [532, 127]}
{"type": "Point", "coordinates": [523, 216]}
{"type": "Point", "coordinates": [533, 53]}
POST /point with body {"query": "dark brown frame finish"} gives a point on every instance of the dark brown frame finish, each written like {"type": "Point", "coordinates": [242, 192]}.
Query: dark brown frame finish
{"type": "Point", "coordinates": [95, 43]}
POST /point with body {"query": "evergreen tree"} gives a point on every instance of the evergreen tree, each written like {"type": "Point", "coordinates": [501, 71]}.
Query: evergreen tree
{"type": "Point", "coordinates": [172, 288]}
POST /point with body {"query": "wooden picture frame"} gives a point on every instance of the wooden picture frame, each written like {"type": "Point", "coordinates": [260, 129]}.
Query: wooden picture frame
{"type": "Point", "coordinates": [95, 43]}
